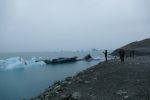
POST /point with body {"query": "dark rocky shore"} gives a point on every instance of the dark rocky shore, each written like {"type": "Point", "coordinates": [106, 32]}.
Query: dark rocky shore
{"type": "Point", "coordinates": [114, 80]}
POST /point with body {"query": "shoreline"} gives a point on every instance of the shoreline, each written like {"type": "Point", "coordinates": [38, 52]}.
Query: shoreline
{"type": "Point", "coordinates": [67, 81]}
{"type": "Point", "coordinates": [112, 80]}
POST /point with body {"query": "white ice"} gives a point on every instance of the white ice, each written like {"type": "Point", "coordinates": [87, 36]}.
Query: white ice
{"type": "Point", "coordinates": [18, 62]}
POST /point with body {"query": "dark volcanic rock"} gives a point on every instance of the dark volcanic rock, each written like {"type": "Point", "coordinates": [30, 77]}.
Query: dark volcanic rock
{"type": "Point", "coordinates": [61, 60]}
{"type": "Point", "coordinates": [88, 57]}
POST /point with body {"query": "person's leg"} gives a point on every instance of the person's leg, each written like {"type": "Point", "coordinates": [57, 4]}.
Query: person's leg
{"type": "Point", "coordinates": [122, 58]}
{"type": "Point", "coordinates": [106, 58]}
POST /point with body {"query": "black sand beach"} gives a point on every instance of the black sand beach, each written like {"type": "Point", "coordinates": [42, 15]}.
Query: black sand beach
{"type": "Point", "coordinates": [114, 80]}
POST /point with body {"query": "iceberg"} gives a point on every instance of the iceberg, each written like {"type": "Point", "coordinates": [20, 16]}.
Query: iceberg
{"type": "Point", "coordinates": [18, 62]}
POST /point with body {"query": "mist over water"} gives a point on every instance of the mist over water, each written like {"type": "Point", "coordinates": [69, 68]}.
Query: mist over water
{"type": "Point", "coordinates": [53, 25]}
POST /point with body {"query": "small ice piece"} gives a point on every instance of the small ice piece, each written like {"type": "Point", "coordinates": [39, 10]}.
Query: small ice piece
{"type": "Point", "coordinates": [97, 58]}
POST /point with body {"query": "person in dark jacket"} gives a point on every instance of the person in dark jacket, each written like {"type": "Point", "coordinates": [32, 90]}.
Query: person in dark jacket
{"type": "Point", "coordinates": [133, 53]}
{"type": "Point", "coordinates": [106, 54]}
{"type": "Point", "coordinates": [122, 54]}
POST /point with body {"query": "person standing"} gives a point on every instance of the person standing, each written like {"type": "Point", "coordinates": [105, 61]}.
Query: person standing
{"type": "Point", "coordinates": [106, 54]}
{"type": "Point", "coordinates": [130, 53]}
{"type": "Point", "coordinates": [133, 53]}
{"type": "Point", "coordinates": [122, 54]}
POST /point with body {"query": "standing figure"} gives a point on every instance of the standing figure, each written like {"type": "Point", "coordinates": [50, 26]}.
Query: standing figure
{"type": "Point", "coordinates": [130, 53]}
{"type": "Point", "coordinates": [122, 54]}
{"type": "Point", "coordinates": [105, 53]}
{"type": "Point", "coordinates": [133, 53]}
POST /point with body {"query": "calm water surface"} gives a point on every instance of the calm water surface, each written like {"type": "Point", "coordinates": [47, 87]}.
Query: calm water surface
{"type": "Point", "coordinates": [19, 83]}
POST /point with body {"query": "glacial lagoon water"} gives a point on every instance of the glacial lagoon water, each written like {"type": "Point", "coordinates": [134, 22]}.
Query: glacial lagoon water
{"type": "Point", "coordinates": [20, 82]}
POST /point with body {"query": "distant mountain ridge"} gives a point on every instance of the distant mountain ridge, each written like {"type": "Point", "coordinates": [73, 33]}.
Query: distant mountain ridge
{"type": "Point", "coordinates": [141, 47]}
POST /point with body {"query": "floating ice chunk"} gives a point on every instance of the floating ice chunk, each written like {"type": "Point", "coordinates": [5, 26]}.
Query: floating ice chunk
{"type": "Point", "coordinates": [97, 58]}
{"type": "Point", "coordinates": [15, 65]}
{"type": "Point", "coordinates": [33, 59]}
{"type": "Point", "coordinates": [18, 62]}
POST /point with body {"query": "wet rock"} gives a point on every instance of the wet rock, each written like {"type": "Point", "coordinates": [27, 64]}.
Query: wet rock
{"type": "Point", "coordinates": [91, 70]}
{"type": "Point", "coordinates": [47, 97]}
{"type": "Point", "coordinates": [41, 97]}
{"type": "Point", "coordinates": [58, 88]}
{"type": "Point", "coordinates": [87, 82]}
{"type": "Point", "coordinates": [47, 93]}
{"type": "Point", "coordinates": [76, 96]}
{"type": "Point", "coordinates": [65, 96]}
{"type": "Point", "coordinates": [120, 92]}
{"type": "Point", "coordinates": [79, 80]}
{"type": "Point", "coordinates": [95, 78]}
{"type": "Point", "coordinates": [130, 63]}
{"type": "Point", "coordinates": [57, 82]}
{"type": "Point", "coordinates": [64, 83]}
{"type": "Point", "coordinates": [90, 89]}
{"type": "Point", "coordinates": [68, 78]}
{"type": "Point", "coordinates": [80, 74]}
{"type": "Point", "coordinates": [126, 97]}
{"type": "Point", "coordinates": [54, 93]}
{"type": "Point", "coordinates": [69, 82]}
{"type": "Point", "coordinates": [137, 63]}
{"type": "Point", "coordinates": [93, 96]}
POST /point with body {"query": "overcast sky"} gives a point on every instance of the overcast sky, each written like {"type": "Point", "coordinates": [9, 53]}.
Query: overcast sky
{"type": "Point", "coordinates": [52, 25]}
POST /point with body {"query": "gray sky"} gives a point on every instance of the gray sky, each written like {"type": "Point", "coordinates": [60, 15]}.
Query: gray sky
{"type": "Point", "coordinates": [49, 25]}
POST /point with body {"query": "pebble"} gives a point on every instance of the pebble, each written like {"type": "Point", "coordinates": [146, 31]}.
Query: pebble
{"type": "Point", "coordinates": [65, 96]}
{"type": "Point", "coordinates": [120, 92]}
{"type": "Point", "coordinates": [93, 96]}
{"type": "Point", "coordinates": [47, 97]}
{"type": "Point", "coordinates": [95, 78]}
{"type": "Point", "coordinates": [57, 87]}
{"type": "Point", "coordinates": [125, 97]}
{"type": "Point", "coordinates": [87, 82]}
{"type": "Point", "coordinates": [79, 80]}
{"type": "Point", "coordinates": [76, 96]}
{"type": "Point", "coordinates": [64, 83]}
{"type": "Point", "coordinates": [68, 78]}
